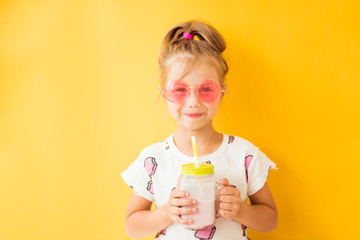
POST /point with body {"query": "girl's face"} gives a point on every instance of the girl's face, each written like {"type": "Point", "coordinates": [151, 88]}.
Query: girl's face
{"type": "Point", "coordinates": [193, 113]}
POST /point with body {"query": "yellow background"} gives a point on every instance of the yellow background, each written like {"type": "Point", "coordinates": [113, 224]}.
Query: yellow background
{"type": "Point", "coordinates": [79, 100]}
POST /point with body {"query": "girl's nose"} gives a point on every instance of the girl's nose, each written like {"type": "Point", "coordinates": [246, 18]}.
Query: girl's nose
{"type": "Point", "coordinates": [193, 98]}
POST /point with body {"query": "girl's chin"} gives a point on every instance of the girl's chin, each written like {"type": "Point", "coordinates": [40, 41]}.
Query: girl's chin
{"type": "Point", "coordinates": [196, 126]}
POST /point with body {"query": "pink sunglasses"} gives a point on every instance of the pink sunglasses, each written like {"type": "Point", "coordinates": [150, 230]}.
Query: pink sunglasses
{"type": "Point", "coordinates": [177, 91]}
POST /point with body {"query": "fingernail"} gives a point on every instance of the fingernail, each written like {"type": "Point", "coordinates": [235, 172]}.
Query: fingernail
{"type": "Point", "coordinates": [187, 194]}
{"type": "Point", "coordinates": [194, 202]}
{"type": "Point", "coordinates": [193, 210]}
{"type": "Point", "coordinates": [189, 221]}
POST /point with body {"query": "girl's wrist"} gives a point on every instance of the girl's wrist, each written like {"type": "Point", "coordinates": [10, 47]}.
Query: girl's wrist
{"type": "Point", "coordinates": [242, 209]}
{"type": "Point", "coordinates": [164, 213]}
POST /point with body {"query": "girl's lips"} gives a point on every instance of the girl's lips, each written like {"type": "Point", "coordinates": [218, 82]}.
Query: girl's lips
{"type": "Point", "coordinates": [193, 115]}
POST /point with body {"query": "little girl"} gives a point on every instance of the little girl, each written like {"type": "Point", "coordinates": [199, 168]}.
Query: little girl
{"type": "Point", "coordinates": [193, 71]}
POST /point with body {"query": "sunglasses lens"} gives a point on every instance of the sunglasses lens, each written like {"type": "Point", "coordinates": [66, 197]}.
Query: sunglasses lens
{"type": "Point", "coordinates": [176, 91]}
{"type": "Point", "coordinates": [209, 91]}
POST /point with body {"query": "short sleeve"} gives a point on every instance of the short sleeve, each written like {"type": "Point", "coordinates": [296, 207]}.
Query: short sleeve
{"type": "Point", "coordinates": [138, 177]}
{"type": "Point", "coordinates": [258, 171]}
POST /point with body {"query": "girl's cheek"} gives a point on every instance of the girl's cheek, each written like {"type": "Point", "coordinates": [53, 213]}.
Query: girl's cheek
{"type": "Point", "coordinates": [213, 107]}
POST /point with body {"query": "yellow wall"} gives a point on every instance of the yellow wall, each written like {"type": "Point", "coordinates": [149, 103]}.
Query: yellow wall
{"type": "Point", "coordinates": [72, 114]}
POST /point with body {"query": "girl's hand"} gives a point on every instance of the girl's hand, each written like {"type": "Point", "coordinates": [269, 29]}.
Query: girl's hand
{"type": "Point", "coordinates": [229, 200]}
{"type": "Point", "coordinates": [178, 199]}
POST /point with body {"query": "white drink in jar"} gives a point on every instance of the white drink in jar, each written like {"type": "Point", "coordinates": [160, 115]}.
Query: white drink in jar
{"type": "Point", "coordinates": [199, 182]}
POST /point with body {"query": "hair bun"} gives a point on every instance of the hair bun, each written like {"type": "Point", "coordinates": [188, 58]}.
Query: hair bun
{"type": "Point", "coordinates": [193, 39]}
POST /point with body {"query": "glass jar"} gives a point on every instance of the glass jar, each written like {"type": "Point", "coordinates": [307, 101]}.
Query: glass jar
{"type": "Point", "coordinates": [199, 182]}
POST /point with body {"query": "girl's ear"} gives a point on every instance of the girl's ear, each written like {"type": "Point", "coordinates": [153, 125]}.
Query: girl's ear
{"type": "Point", "coordinates": [161, 92]}
{"type": "Point", "coordinates": [224, 88]}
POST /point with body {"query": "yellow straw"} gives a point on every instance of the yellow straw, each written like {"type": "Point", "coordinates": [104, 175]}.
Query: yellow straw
{"type": "Point", "coordinates": [197, 164]}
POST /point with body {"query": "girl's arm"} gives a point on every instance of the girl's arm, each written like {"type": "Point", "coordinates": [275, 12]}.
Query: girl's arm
{"type": "Point", "coordinates": [261, 215]}
{"type": "Point", "coordinates": [140, 221]}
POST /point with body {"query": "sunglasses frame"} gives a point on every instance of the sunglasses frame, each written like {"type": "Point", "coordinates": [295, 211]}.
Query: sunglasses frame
{"type": "Point", "coordinates": [163, 91]}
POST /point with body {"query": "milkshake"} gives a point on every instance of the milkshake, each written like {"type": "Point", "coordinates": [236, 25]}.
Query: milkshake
{"type": "Point", "coordinates": [204, 217]}
{"type": "Point", "coordinates": [199, 182]}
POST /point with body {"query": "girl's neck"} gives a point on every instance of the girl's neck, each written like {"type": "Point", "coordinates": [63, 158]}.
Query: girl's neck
{"type": "Point", "coordinates": [207, 140]}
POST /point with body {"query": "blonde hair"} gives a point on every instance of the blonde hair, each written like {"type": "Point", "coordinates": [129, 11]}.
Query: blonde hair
{"type": "Point", "coordinates": [206, 46]}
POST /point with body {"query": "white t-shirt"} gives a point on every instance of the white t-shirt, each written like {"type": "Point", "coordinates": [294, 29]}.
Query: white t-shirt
{"type": "Point", "coordinates": [153, 175]}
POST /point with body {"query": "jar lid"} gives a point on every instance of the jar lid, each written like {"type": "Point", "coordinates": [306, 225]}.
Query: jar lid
{"type": "Point", "coordinates": [203, 169]}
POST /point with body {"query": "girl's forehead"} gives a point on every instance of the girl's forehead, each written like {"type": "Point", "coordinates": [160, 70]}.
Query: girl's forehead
{"type": "Point", "coordinates": [192, 74]}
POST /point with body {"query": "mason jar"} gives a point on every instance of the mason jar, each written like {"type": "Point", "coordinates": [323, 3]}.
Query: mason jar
{"type": "Point", "coordinates": [199, 182]}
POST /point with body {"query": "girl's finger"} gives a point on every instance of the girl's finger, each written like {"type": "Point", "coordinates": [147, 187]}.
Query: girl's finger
{"type": "Point", "coordinates": [229, 199]}
{"type": "Point", "coordinates": [225, 182]}
{"type": "Point", "coordinates": [182, 211]}
{"type": "Point", "coordinates": [179, 194]}
{"type": "Point", "coordinates": [229, 191]}
{"type": "Point", "coordinates": [229, 207]}
{"type": "Point", "coordinates": [179, 220]}
{"type": "Point", "coordinates": [178, 182]}
{"type": "Point", "coordinates": [227, 214]}
{"type": "Point", "coordinates": [182, 202]}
